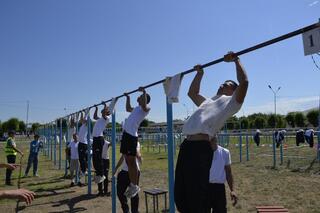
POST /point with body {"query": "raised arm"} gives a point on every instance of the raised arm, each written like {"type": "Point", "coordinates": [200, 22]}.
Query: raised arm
{"type": "Point", "coordinates": [144, 104]}
{"type": "Point", "coordinates": [95, 115]}
{"type": "Point", "coordinates": [128, 105]}
{"type": "Point", "coordinates": [242, 77]}
{"type": "Point", "coordinates": [194, 89]}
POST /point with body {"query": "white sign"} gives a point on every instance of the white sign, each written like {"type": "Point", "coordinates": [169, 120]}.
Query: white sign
{"type": "Point", "coordinates": [311, 41]}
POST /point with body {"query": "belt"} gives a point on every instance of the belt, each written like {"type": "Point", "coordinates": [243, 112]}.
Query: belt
{"type": "Point", "coordinates": [198, 137]}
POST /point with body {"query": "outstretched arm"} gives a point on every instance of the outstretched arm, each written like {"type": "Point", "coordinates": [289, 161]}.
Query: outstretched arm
{"type": "Point", "coordinates": [194, 89]}
{"type": "Point", "coordinates": [95, 115]}
{"type": "Point", "coordinates": [241, 76]}
{"type": "Point", "coordinates": [21, 194]}
{"type": "Point", "coordinates": [118, 164]}
{"type": "Point", "coordinates": [128, 105]}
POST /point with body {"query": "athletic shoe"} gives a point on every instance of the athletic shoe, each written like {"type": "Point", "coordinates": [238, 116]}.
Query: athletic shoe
{"type": "Point", "coordinates": [100, 194]}
{"type": "Point", "coordinates": [80, 184]}
{"type": "Point", "coordinates": [132, 191]}
{"type": "Point", "coordinates": [9, 184]}
{"type": "Point", "coordinates": [36, 175]}
{"type": "Point", "coordinates": [99, 179]}
{"type": "Point", "coordinates": [72, 184]}
{"type": "Point", "coordinates": [108, 194]}
{"type": "Point", "coordinates": [25, 176]}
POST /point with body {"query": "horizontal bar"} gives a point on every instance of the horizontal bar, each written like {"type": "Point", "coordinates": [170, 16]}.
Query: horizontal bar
{"type": "Point", "coordinates": [250, 49]}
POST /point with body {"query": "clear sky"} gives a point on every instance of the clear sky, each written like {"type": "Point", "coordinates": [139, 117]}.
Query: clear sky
{"type": "Point", "coordinates": [74, 53]}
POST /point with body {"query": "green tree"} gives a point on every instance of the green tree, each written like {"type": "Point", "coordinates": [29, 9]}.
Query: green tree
{"type": "Point", "coordinates": [144, 123]}
{"type": "Point", "coordinates": [290, 118]}
{"type": "Point", "coordinates": [260, 122]}
{"type": "Point", "coordinates": [271, 120]}
{"type": "Point", "coordinates": [299, 119]}
{"type": "Point", "coordinates": [13, 124]}
{"type": "Point", "coordinates": [5, 126]}
{"type": "Point", "coordinates": [244, 122]}
{"type": "Point", "coordinates": [35, 127]}
{"type": "Point", "coordinates": [312, 117]}
{"type": "Point", "coordinates": [281, 121]}
{"type": "Point", "coordinates": [22, 126]}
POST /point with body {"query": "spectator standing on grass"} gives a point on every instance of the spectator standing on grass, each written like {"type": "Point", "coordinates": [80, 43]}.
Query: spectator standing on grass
{"type": "Point", "coordinates": [195, 155]}
{"type": "Point", "coordinates": [220, 172]}
{"type": "Point", "coordinates": [308, 135]}
{"type": "Point", "coordinates": [20, 194]}
{"type": "Point", "coordinates": [11, 151]}
{"type": "Point", "coordinates": [74, 162]}
{"type": "Point", "coordinates": [123, 182]}
{"type": "Point", "coordinates": [256, 137]}
{"type": "Point", "coordinates": [35, 146]}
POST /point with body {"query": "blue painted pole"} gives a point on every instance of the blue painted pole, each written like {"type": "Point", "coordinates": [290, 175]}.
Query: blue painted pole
{"type": "Point", "coordinates": [89, 147]}
{"type": "Point", "coordinates": [113, 142]}
{"type": "Point", "coordinates": [319, 142]}
{"type": "Point", "coordinates": [170, 156]}
{"type": "Point", "coordinates": [247, 146]}
{"type": "Point", "coordinates": [66, 161]}
{"type": "Point", "coordinates": [60, 145]}
{"type": "Point", "coordinates": [45, 140]}
{"type": "Point", "coordinates": [240, 147]}
{"type": "Point", "coordinates": [55, 144]}
{"type": "Point", "coordinates": [51, 142]}
{"type": "Point", "coordinates": [274, 150]}
{"type": "Point", "coordinates": [281, 153]}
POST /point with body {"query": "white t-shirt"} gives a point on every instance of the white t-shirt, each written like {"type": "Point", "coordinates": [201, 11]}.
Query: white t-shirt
{"type": "Point", "coordinates": [105, 150]}
{"type": "Point", "coordinates": [124, 164]}
{"type": "Point", "coordinates": [211, 115]}
{"type": "Point", "coordinates": [70, 133]}
{"type": "Point", "coordinates": [308, 132]}
{"type": "Point", "coordinates": [132, 123]}
{"type": "Point", "coordinates": [221, 158]}
{"type": "Point", "coordinates": [99, 126]}
{"type": "Point", "coordinates": [83, 132]}
{"type": "Point", "coordinates": [74, 150]}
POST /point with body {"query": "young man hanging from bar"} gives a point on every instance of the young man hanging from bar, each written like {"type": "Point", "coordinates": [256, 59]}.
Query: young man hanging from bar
{"type": "Point", "coordinates": [195, 156]}
{"type": "Point", "coordinates": [97, 147]}
{"type": "Point", "coordinates": [130, 138]}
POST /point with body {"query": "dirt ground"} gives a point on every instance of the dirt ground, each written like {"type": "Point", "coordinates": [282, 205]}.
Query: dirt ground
{"type": "Point", "coordinates": [295, 184]}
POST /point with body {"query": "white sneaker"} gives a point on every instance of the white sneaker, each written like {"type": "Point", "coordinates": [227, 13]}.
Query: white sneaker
{"type": "Point", "coordinates": [132, 191]}
{"type": "Point", "coordinates": [99, 179]}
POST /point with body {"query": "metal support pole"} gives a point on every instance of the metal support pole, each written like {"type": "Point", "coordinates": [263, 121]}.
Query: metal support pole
{"type": "Point", "coordinates": [60, 145]}
{"type": "Point", "coordinates": [274, 150]}
{"type": "Point", "coordinates": [55, 145]}
{"type": "Point", "coordinates": [113, 141]}
{"type": "Point", "coordinates": [281, 153]}
{"type": "Point", "coordinates": [247, 146]}
{"type": "Point", "coordinates": [51, 142]}
{"type": "Point", "coordinates": [240, 147]}
{"type": "Point", "coordinates": [89, 148]}
{"type": "Point", "coordinates": [66, 161]}
{"type": "Point", "coordinates": [170, 157]}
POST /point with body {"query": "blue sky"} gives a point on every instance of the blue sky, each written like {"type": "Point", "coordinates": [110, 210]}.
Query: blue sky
{"type": "Point", "coordinates": [74, 53]}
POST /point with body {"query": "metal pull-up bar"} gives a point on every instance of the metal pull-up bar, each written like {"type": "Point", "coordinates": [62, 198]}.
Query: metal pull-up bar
{"type": "Point", "coordinates": [247, 50]}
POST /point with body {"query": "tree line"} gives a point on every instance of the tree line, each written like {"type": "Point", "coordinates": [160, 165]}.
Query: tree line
{"type": "Point", "coordinates": [262, 120]}
{"type": "Point", "coordinates": [14, 124]}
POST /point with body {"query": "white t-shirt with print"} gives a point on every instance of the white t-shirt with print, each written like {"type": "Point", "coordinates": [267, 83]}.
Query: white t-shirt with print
{"type": "Point", "coordinates": [211, 115]}
{"type": "Point", "coordinates": [134, 120]}
{"type": "Point", "coordinates": [221, 158]}
{"type": "Point", "coordinates": [99, 127]}
{"type": "Point", "coordinates": [124, 164]}
{"type": "Point", "coordinates": [74, 150]}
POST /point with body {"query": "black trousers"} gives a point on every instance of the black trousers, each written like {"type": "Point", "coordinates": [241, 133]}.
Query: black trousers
{"type": "Point", "coordinates": [83, 156]}
{"type": "Point", "coordinates": [97, 154]}
{"type": "Point", "coordinates": [192, 176]}
{"type": "Point", "coordinates": [217, 198]}
{"type": "Point", "coordinates": [10, 159]}
{"type": "Point", "coordinates": [105, 171]}
{"type": "Point", "coordinates": [123, 182]}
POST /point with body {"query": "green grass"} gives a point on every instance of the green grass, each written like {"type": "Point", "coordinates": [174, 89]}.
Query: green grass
{"type": "Point", "coordinates": [295, 184]}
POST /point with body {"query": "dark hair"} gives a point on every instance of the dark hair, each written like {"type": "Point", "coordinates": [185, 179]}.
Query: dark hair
{"type": "Point", "coordinates": [11, 132]}
{"type": "Point", "coordinates": [235, 85]}
{"type": "Point", "coordinates": [148, 98]}
{"type": "Point", "coordinates": [36, 136]}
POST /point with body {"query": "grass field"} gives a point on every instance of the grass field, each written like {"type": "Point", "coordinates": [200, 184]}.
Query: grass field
{"type": "Point", "coordinates": [295, 184]}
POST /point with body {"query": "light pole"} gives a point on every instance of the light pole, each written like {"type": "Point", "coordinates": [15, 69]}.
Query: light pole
{"type": "Point", "coordinates": [275, 125]}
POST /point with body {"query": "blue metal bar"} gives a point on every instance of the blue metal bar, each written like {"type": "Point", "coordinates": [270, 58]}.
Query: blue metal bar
{"type": "Point", "coordinates": [55, 145]}
{"type": "Point", "coordinates": [66, 161]}
{"type": "Point", "coordinates": [51, 144]}
{"type": "Point", "coordinates": [240, 147]}
{"type": "Point", "coordinates": [274, 150]}
{"type": "Point", "coordinates": [60, 145]}
{"type": "Point", "coordinates": [113, 142]}
{"type": "Point", "coordinates": [247, 146]}
{"type": "Point", "coordinates": [89, 154]}
{"type": "Point", "coordinates": [170, 156]}
{"type": "Point", "coordinates": [281, 153]}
